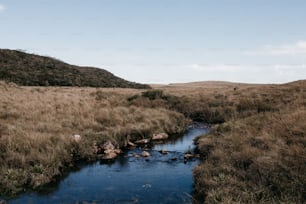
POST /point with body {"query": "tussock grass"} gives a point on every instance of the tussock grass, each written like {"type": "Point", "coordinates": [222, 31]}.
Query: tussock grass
{"type": "Point", "coordinates": [260, 159]}
{"type": "Point", "coordinates": [255, 154]}
{"type": "Point", "coordinates": [258, 155]}
{"type": "Point", "coordinates": [36, 125]}
{"type": "Point", "coordinates": [220, 101]}
{"type": "Point", "coordinates": [258, 152]}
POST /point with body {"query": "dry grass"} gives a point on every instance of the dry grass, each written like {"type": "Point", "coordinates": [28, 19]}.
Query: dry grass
{"type": "Point", "coordinates": [36, 124]}
{"type": "Point", "coordinates": [260, 159]}
{"type": "Point", "coordinates": [259, 154]}
{"type": "Point", "coordinates": [221, 102]}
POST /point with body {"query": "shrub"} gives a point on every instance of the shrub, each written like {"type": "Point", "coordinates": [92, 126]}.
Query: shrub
{"type": "Point", "coordinates": [153, 94]}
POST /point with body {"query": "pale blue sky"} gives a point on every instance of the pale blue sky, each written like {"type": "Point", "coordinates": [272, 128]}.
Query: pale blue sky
{"type": "Point", "coordinates": [164, 41]}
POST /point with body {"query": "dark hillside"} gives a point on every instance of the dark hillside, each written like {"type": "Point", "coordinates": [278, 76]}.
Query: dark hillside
{"type": "Point", "coordinates": [34, 70]}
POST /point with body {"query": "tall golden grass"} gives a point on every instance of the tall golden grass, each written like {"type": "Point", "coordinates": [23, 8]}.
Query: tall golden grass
{"type": "Point", "coordinates": [221, 102]}
{"type": "Point", "coordinates": [259, 159]}
{"type": "Point", "coordinates": [36, 125]}
{"type": "Point", "coordinates": [255, 154]}
{"type": "Point", "coordinates": [259, 154]}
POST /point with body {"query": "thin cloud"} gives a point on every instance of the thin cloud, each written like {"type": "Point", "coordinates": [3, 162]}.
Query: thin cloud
{"type": "Point", "coordinates": [247, 67]}
{"type": "Point", "coordinates": [2, 8]}
{"type": "Point", "coordinates": [296, 49]}
{"type": "Point", "coordinates": [290, 69]}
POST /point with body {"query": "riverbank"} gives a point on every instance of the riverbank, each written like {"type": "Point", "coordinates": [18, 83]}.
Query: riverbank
{"type": "Point", "coordinates": [45, 130]}
{"type": "Point", "coordinates": [254, 153]}
{"type": "Point", "coordinates": [164, 176]}
{"type": "Point", "coordinates": [258, 153]}
{"type": "Point", "coordinates": [258, 159]}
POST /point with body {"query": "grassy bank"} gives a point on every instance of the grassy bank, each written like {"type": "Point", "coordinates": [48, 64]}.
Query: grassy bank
{"type": "Point", "coordinates": [258, 155]}
{"type": "Point", "coordinates": [259, 159]}
{"type": "Point", "coordinates": [255, 154]}
{"type": "Point", "coordinates": [220, 102]}
{"type": "Point", "coordinates": [36, 125]}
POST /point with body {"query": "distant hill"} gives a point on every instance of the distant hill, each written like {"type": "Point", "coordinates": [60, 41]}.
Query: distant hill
{"type": "Point", "coordinates": [34, 70]}
{"type": "Point", "coordinates": [300, 83]}
{"type": "Point", "coordinates": [202, 84]}
{"type": "Point", "coordinates": [211, 83]}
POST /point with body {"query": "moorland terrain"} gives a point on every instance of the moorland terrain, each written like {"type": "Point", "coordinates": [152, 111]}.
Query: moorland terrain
{"type": "Point", "coordinates": [255, 152]}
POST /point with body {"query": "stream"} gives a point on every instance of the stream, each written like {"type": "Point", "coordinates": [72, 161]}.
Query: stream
{"type": "Point", "coordinates": [160, 178]}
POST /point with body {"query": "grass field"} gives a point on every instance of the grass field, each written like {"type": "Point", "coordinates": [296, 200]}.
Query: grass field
{"type": "Point", "coordinates": [256, 152]}
{"type": "Point", "coordinates": [36, 125]}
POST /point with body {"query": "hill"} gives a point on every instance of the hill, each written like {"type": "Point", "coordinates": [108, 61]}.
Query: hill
{"type": "Point", "coordinates": [34, 70]}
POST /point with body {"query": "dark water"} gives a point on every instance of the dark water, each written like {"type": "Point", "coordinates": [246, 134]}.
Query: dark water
{"type": "Point", "coordinates": [156, 179]}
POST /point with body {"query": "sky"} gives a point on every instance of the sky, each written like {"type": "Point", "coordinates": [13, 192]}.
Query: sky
{"type": "Point", "coordinates": [165, 41]}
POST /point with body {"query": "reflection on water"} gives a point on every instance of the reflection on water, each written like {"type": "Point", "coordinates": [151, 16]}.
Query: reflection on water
{"type": "Point", "coordinates": [160, 178]}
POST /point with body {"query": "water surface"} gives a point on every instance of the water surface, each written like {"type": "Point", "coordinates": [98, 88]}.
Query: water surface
{"type": "Point", "coordinates": [160, 178]}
